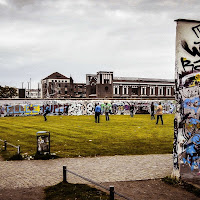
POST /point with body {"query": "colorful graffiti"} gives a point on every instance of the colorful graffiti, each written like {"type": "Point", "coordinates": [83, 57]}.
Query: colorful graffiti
{"type": "Point", "coordinates": [187, 120]}
{"type": "Point", "coordinates": [79, 107]}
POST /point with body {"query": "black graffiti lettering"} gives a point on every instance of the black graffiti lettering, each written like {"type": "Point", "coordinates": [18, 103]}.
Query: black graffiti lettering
{"type": "Point", "coordinates": [186, 63]}
{"type": "Point", "coordinates": [175, 148]}
{"type": "Point", "coordinates": [196, 30]}
{"type": "Point", "coordinates": [197, 67]}
{"type": "Point", "coordinates": [192, 52]}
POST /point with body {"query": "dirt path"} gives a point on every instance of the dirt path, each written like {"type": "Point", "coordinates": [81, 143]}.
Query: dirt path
{"type": "Point", "coordinates": [150, 189]}
{"type": "Point", "coordinates": [134, 190]}
{"type": "Point", "coordinates": [36, 193]}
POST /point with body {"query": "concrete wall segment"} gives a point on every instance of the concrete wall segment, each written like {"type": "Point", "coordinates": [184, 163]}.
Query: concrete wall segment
{"type": "Point", "coordinates": [187, 117]}
{"type": "Point", "coordinates": [78, 107]}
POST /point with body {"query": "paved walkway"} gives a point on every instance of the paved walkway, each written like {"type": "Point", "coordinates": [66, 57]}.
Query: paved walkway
{"type": "Point", "coordinates": [34, 173]}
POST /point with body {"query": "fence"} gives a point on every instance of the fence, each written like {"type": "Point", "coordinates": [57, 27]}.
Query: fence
{"type": "Point", "coordinates": [111, 189]}
{"type": "Point", "coordinates": [6, 144]}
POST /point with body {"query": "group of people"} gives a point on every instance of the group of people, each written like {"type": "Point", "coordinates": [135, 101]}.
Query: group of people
{"type": "Point", "coordinates": [98, 112]}
{"type": "Point", "coordinates": [159, 112]}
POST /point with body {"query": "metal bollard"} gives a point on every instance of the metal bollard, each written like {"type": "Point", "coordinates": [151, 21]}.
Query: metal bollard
{"type": "Point", "coordinates": [5, 145]}
{"type": "Point", "coordinates": [64, 174]}
{"type": "Point", "coordinates": [18, 149]}
{"type": "Point", "coordinates": [112, 193]}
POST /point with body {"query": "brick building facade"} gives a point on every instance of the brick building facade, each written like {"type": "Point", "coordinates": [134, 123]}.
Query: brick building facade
{"type": "Point", "coordinates": [105, 85]}
{"type": "Point", "coordinates": [57, 85]}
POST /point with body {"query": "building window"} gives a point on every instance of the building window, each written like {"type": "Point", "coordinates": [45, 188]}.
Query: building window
{"type": "Point", "coordinates": [143, 90]}
{"type": "Point", "coordinates": [59, 85]}
{"type": "Point", "coordinates": [65, 92]}
{"type": "Point", "coordinates": [152, 90]}
{"type": "Point", "coordinates": [115, 90]}
{"type": "Point", "coordinates": [160, 91]}
{"type": "Point", "coordinates": [125, 90]}
{"type": "Point", "coordinates": [168, 91]}
{"type": "Point", "coordinates": [106, 81]}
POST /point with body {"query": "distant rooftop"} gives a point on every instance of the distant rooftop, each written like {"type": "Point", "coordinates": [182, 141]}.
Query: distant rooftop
{"type": "Point", "coordinates": [143, 79]}
{"type": "Point", "coordinates": [56, 75]}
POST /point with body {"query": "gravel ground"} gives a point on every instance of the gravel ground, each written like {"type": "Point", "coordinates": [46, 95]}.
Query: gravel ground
{"type": "Point", "coordinates": [25, 180]}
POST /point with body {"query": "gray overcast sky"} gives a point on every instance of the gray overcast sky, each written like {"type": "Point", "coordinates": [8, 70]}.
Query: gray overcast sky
{"type": "Point", "coordinates": [132, 38]}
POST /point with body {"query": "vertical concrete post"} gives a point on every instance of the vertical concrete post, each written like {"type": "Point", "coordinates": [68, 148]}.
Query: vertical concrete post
{"type": "Point", "coordinates": [18, 149]}
{"type": "Point", "coordinates": [187, 93]}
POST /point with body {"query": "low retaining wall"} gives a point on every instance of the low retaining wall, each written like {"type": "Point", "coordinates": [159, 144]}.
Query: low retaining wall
{"type": "Point", "coordinates": [27, 107]}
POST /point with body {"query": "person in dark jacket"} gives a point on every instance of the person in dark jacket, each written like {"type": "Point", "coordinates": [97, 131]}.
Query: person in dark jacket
{"type": "Point", "coordinates": [152, 111]}
{"type": "Point", "coordinates": [47, 111]}
{"type": "Point", "coordinates": [131, 110]}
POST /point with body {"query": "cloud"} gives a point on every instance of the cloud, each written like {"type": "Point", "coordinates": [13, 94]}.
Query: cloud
{"type": "Point", "coordinates": [132, 38]}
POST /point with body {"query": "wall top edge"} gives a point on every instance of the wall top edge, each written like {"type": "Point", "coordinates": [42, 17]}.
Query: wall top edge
{"type": "Point", "coordinates": [74, 99]}
{"type": "Point", "coordinates": [187, 20]}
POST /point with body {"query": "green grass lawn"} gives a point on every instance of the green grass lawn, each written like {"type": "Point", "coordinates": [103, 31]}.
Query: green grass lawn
{"type": "Point", "coordinates": [73, 136]}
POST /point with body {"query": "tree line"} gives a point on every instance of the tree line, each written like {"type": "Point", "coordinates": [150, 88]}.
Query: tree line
{"type": "Point", "coordinates": [7, 92]}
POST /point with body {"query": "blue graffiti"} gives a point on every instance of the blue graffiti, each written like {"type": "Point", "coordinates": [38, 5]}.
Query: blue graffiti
{"type": "Point", "coordinates": [192, 152]}
{"type": "Point", "coordinates": [194, 121]}
{"type": "Point", "coordinates": [192, 104]}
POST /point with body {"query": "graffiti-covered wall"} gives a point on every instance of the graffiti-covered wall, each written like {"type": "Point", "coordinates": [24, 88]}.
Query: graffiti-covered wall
{"type": "Point", "coordinates": [187, 118]}
{"type": "Point", "coordinates": [78, 107]}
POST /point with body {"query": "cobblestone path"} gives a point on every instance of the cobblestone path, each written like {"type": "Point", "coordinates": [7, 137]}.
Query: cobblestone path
{"type": "Point", "coordinates": [34, 173]}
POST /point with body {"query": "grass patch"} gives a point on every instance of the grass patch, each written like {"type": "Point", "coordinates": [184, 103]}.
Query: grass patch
{"type": "Point", "coordinates": [171, 181]}
{"type": "Point", "coordinates": [68, 191]}
{"type": "Point", "coordinates": [73, 136]}
{"type": "Point", "coordinates": [182, 184]}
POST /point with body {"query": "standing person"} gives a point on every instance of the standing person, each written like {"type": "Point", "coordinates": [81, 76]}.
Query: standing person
{"type": "Point", "coordinates": [97, 113]}
{"type": "Point", "coordinates": [152, 111]}
{"type": "Point", "coordinates": [47, 111]}
{"type": "Point", "coordinates": [66, 109]}
{"type": "Point", "coordinates": [107, 111]}
{"type": "Point", "coordinates": [159, 113]}
{"type": "Point", "coordinates": [131, 110]}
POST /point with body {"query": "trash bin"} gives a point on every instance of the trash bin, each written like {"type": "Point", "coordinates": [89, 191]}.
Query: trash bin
{"type": "Point", "coordinates": [43, 142]}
